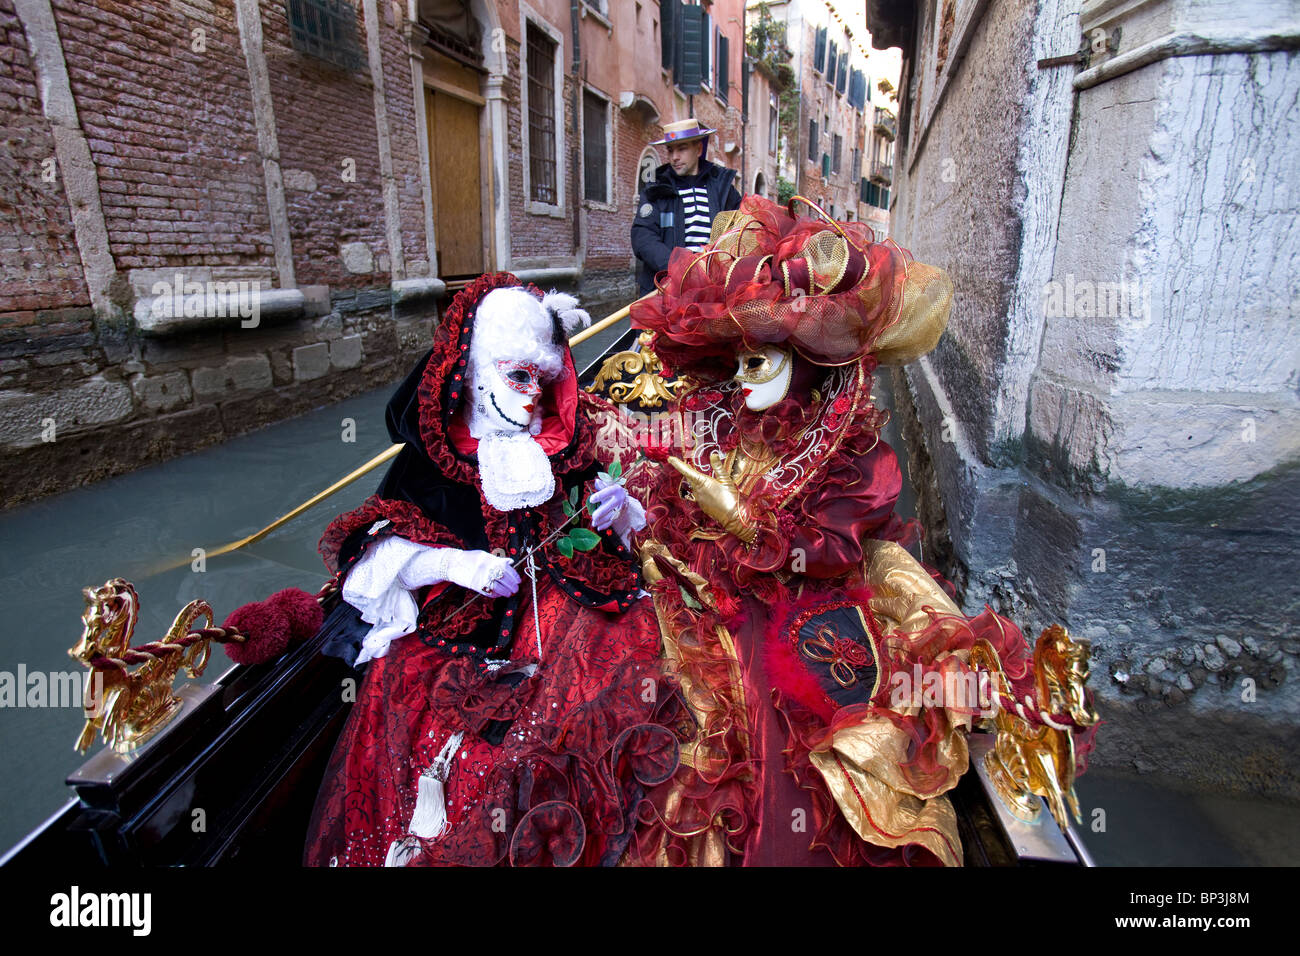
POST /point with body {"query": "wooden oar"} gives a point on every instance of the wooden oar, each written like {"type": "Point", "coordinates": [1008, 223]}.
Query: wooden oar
{"type": "Point", "coordinates": [373, 463]}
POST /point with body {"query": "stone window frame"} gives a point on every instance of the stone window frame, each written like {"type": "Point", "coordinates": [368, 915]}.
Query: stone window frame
{"type": "Point", "coordinates": [528, 16]}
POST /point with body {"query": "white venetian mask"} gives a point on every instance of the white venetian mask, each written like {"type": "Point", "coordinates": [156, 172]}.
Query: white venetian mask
{"type": "Point", "coordinates": [764, 376]}
{"type": "Point", "coordinates": [506, 395]}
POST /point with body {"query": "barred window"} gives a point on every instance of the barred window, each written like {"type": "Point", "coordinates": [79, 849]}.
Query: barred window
{"type": "Point", "coordinates": [541, 117]}
{"type": "Point", "coordinates": [327, 30]}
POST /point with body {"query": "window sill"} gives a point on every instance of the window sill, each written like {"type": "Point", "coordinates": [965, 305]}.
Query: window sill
{"type": "Point", "coordinates": [534, 208]}
{"type": "Point", "coordinates": [602, 206]}
{"type": "Point", "coordinates": [589, 11]}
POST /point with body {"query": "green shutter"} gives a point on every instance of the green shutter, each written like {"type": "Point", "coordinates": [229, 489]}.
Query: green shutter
{"type": "Point", "coordinates": [690, 71]}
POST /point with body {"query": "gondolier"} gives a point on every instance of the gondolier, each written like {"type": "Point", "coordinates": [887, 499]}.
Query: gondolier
{"type": "Point", "coordinates": [678, 207]}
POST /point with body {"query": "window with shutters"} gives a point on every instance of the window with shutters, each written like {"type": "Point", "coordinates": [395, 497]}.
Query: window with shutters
{"type": "Point", "coordinates": [831, 63]}
{"type": "Point", "coordinates": [857, 164]}
{"type": "Point", "coordinates": [842, 77]}
{"type": "Point", "coordinates": [837, 143]}
{"type": "Point", "coordinates": [819, 51]}
{"type": "Point", "coordinates": [595, 147]}
{"type": "Point", "coordinates": [826, 165]}
{"type": "Point", "coordinates": [668, 28]}
{"type": "Point", "coordinates": [543, 108]}
{"type": "Point", "coordinates": [693, 37]}
{"type": "Point", "coordinates": [723, 80]}
{"type": "Point", "coordinates": [812, 140]}
{"type": "Point", "coordinates": [857, 90]}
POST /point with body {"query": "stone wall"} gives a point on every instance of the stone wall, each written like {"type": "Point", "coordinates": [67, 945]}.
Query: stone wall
{"type": "Point", "coordinates": [1110, 422]}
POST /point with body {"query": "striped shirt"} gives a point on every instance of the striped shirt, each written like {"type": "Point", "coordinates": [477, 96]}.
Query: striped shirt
{"type": "Point", "coordinates": [698, 221]}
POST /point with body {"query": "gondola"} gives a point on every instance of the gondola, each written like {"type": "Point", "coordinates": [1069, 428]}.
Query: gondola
{"type": "Point", "coordinates": [230, 778]}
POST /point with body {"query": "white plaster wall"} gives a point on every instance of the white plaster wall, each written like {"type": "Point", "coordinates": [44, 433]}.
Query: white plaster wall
{"type": "Point", "coordinates": [1182, 187]}
{"type": "Point", "coordinates": [1219, 237]}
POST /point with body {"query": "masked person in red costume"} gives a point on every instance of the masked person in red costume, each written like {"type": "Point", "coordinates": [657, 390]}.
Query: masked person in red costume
{"type": "Point", "coordinates": [792, 615]}
{"type": "Point", "coordinates": [510, 711]}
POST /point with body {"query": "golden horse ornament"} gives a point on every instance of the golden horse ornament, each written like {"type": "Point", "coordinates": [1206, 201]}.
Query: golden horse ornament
{"type": "Point", "coordinates": [1033, 754]}
{"type": "Point", "coordinates": [130, 706]}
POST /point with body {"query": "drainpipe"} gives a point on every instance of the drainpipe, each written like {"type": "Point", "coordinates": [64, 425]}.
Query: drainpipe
{"type": "Point", "coordinates": [575, 20]}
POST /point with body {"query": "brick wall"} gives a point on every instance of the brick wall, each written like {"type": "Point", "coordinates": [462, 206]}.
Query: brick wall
{"type": "Point", "coordinates": [168, 119]}
{"type": "Point", "coordinates": [170, 131]}
{"type": "Point", "coordinates": [40, 267]}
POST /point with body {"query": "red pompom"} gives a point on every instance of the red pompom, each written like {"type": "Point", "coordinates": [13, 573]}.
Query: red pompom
{"type": "Point", "coordinates": [266, 631]}
{"type": "Point", "coordinates": [728, 606]}
{"type": "Point", "coordinates": [303, 611]}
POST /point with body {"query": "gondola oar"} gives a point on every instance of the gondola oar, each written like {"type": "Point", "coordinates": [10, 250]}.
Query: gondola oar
{"type": "Point", "coordinates": [373, 463]}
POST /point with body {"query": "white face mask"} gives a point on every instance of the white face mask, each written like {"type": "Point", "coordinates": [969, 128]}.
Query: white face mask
{"type": "Point", "coordinates": [507, 397]}
{"type": "Point", "coordinates": [765, 376]}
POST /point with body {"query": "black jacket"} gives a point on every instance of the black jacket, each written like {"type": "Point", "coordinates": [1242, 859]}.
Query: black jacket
{"type": "Point", "coordinates": [658, 227]}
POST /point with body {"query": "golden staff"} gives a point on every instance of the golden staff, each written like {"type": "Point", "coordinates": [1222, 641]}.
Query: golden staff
{"type": "Point", "coordinates": [378, 460]}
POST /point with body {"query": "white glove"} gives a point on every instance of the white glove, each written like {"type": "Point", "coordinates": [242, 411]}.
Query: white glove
{"type": "Point", "coordinates": [380, 585]}
{"type": "Point", "coordinates": [479, 571]}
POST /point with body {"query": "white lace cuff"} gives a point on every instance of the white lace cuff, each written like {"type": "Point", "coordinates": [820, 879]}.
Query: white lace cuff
{"type": "Point", "coordinates": [374, 586]}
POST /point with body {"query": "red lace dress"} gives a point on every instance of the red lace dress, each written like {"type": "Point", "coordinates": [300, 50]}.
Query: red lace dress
{"type": "Point", "coordinates": [548, 708]}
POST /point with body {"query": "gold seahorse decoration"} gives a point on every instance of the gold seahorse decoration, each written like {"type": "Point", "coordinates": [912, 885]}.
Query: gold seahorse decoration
{"type": "Point", "coordinates": [130, 706]}
{"type": "Point", "coordinates": [1033, 753]}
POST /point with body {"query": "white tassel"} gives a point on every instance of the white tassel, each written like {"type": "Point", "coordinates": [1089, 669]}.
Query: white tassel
{"type": "Point", "coordinates": [401, 852]}
{"type": "Point", "coordinates": [430, 818]}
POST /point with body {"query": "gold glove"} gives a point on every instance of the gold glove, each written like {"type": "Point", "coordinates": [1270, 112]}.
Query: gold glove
{"type": "Point", "coordinates": [719, 498]}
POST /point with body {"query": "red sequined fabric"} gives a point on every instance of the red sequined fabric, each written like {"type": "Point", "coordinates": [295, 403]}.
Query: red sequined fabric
{"type": "Point", "coordinates": [586, 739]}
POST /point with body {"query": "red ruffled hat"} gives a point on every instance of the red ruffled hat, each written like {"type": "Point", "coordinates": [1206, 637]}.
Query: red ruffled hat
{"type": "Point", "coordinates": [770, 277]}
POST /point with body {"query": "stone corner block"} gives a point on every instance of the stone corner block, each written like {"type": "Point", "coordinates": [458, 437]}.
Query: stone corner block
{"type": "Point", "coordinates": [311, 361]}
{"type": "Point", "coordinates": [346, 352]}
{"type": "Point", "coordinates": [357, 257]}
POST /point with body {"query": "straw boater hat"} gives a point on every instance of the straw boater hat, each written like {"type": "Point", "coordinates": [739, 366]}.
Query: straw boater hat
{"type": "Point", "coordinates": [682, 131]}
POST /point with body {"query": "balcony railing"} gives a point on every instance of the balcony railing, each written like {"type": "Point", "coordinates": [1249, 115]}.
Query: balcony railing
{"type": "Point", "coordinates": [885, 123]}
{"type": "Point", "coordinates": [882, 173]}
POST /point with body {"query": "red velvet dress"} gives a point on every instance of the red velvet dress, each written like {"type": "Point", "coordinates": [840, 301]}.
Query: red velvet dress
{"type": "Point", "coordinates": [553, 760]}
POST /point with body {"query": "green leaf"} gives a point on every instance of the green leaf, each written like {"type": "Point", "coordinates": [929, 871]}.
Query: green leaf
{"type": "Point", "coordinates": [566, 508]}
{"type": "Point", "coordinates": [616, 469]}
{"type": "Point", "coordinates": [591, 506]}
{"type": "Point", "coordinates": [564, 546]}
{"type": "Point", "coordinates": [583, 539]}
{"type": "Point", "coordinates": [573, 497]}
{"type": "Point", "coordinates": [689, 601]}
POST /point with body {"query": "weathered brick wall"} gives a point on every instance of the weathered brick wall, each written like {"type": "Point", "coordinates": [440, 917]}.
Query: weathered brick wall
{"type": "Point", "coordinates": [170, 131]}
{"type": "Point", "coordinates": [40, 267]}
{"type": "Point", "coordinates": [325, 121]}
{"type": "Point", "coordinates": [168, 119]}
